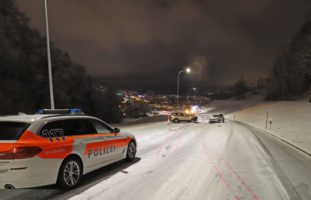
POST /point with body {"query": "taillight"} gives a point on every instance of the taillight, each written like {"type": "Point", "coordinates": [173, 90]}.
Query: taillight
{"type": "Point", "coordinates": [20, 153]}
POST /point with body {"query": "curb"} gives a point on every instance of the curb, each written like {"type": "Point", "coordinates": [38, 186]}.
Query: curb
{"type": "Point", "coordinates": [276, 137]}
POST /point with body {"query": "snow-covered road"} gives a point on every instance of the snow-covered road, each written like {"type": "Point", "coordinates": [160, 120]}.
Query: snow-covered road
{"type": "Point", "coordinates": [195, 161]}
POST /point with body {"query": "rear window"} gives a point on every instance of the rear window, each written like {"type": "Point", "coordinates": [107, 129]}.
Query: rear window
{"type": "Point", "coordinates": [12, 130]}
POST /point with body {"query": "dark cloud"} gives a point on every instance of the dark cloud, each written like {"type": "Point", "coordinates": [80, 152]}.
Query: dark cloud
{"type": "Point", "coordinates": [149, 41]}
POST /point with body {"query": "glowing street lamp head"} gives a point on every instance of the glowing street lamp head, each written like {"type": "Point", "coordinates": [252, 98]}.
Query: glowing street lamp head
{"type": "Point", "coordinates": [188, 70]}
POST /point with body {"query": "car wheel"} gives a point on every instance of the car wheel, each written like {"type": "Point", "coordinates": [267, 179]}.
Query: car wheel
{"type": "Point", "coordinates": [69, 174]}
{"type": "Point", "coordinates": [176, 120]}
{"type": "Point", "coordinates": [131, 151]}
{"type": "Point", "coordinates": [193, 120]}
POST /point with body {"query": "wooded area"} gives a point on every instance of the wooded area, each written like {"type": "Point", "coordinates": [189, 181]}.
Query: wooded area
{"type": "Point", "coordinates": [291, 74]}
{"type": "Point", "coordinates": [24, 74]}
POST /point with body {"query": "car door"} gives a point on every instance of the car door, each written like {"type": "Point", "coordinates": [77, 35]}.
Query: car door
{"type": "Point", "coordinates": [187, 117]}
{"type": "Point", "coordinates": [183, 116]}
{"type": "Point", "coordinates": [114, 144]}
{"type": "Point", "coordinates": [86, 141]}
{"type": "Point", "coordinates": [53, 140]}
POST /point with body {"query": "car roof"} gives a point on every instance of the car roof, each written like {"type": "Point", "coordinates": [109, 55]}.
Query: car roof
{"type": "Point", "coordinates": [36, 121]}
{"type": "Point", "coordinates": [36, 117]}
{"type": "Point", "coordinates": [22, 118]}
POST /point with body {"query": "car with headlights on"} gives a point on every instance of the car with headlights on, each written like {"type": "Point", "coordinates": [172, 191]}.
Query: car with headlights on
{"type": "Point", "coordinates": [177, 117]}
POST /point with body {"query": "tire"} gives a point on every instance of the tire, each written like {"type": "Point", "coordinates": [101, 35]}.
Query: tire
{"type": "Point", "coordinates": [193, 120]}
{"type": "Point", "coordinates": [176, 120]}
{"type": "Point", "coordinates": [131, 151]}
{"type": "Point", "coordinates": [69, 174]}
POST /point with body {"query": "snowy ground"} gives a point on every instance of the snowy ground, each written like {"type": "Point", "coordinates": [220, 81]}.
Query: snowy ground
{"type": "Point", "coordinates": [194, 161]}
{"type": "Point", "coordinates": [204, 161]}
{"type": "Point", "coordinates": [290, 119]}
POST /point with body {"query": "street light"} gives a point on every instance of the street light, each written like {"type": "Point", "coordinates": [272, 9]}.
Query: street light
{"type": "Point", "coordinates": [187, 70]}
{"type": "Point", "coordinates": [49, 55]}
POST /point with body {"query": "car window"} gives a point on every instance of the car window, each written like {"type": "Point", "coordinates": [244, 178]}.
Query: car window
{"type": "Point", "coordinates": [67, 128]}
{"type": "Point", "coordinates": [101, 127]}
{"type": "Point", "coordinates": [78, 127]}
{"type": "Point", "coordinates": [52, 129]}
{"type": "Point", "coordinates": [12, 130]}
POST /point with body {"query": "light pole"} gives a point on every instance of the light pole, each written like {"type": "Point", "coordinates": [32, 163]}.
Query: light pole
{"type": "Point", "coordinates": [187, 70]}
{"type": "Point", "coordinates": [49, 55]}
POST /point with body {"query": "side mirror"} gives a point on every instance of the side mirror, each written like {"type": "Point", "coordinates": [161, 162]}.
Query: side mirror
{"type": "Point", "coordinates": [116, 130]}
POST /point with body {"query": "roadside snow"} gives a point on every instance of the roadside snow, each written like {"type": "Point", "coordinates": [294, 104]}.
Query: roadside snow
{"type": "Point", "coordinates": [291, 120]}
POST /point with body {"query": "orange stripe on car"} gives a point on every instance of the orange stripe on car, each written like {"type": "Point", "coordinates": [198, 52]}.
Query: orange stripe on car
{"type": "Point", "coordinates": [64, 147]}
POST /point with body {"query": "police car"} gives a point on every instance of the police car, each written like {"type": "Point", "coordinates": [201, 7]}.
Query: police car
{"type": "Point", "coordinates": [44, 149]}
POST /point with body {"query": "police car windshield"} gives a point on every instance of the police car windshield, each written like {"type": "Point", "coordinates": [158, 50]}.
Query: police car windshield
{"type": "Point", "coordinates": [12, 130]}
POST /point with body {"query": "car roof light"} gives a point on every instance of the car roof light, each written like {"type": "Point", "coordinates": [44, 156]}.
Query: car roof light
{"type": "Point", "coordinates": [75, 111]}
{"type": "Point", "coordinates": [60, 111]}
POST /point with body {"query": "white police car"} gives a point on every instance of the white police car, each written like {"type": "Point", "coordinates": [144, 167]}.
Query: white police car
{"type": "Point", "coordinates": [43, 149]}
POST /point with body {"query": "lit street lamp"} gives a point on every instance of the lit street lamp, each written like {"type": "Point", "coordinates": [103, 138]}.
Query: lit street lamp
{"type": "Point", "coordinates": [49, 55]}
{"type": "Point", "coordinates": [187, 70]}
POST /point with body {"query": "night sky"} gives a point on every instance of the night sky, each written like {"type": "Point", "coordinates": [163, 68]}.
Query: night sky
{"type": "Point", "coordinates": [146, 42]}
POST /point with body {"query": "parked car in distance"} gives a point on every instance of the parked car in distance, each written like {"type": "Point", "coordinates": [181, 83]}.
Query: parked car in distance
{"type": "Point", "coordinates": [217, 118]}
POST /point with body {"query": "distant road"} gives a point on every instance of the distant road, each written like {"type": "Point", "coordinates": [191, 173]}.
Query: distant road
{"type": "Point", "coordinates": [195, 161]}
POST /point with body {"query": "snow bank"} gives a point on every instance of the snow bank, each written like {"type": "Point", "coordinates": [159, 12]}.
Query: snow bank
{"type": "Point", "coordinates": [291, 120]}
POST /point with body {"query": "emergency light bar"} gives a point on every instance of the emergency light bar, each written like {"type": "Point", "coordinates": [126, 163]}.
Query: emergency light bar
{"type": "Point", "coordinates": [60, 111]}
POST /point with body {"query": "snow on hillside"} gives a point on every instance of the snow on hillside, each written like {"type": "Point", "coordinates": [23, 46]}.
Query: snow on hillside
{"type": "Point", "coordinates": [291, 120]}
